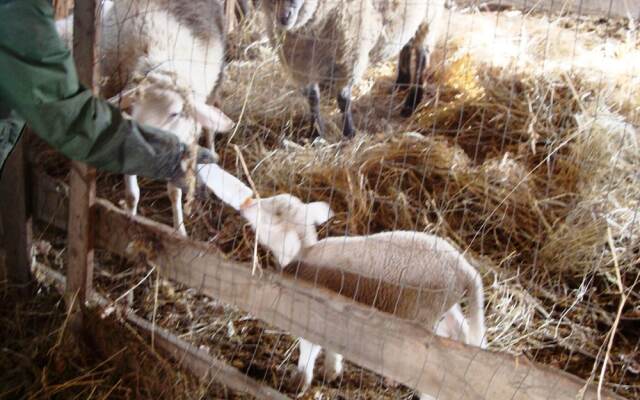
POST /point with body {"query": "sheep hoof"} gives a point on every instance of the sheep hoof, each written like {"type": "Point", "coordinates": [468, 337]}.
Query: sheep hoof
{"type": "Point", "coordinates": [348, 131]}
{"type": "Point", "coordinates": [333, 374]}
{"type": "Point", "coordinates": [413, 100]}
{"type": "Point", "coordinates": [388, 382]}
{"type": "Point", "coordinates": [298, 383]}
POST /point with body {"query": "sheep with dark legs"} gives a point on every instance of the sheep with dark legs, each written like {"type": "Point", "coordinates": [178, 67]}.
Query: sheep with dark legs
{"type": "Point", "coordinates": [329, 44]}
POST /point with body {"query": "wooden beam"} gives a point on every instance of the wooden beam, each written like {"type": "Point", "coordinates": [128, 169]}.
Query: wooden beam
{"type": "Point", "coordinates": [16, 217]}
{"type": "Point", "coordinates": [603, 8]}
{"type": "Point", "coordinates": [392, 347]}
{"type": "Point", "coordinates": [197, 361]}
{"type": "Point", "coordinates": [82, 177]}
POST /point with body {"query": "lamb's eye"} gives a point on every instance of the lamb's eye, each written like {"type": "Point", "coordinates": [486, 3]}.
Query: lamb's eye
{"type": "Point", "coordinates": [174, 115]}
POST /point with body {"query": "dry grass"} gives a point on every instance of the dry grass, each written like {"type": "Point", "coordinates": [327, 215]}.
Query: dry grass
{"type": "Point", "coordinates": [36, 362]}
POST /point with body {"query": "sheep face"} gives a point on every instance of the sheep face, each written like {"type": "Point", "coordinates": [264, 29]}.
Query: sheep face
{"type": "Point", "coordinates": [162, 103]}
{"type": "Point", "coordinates": [284, 224]}
{"type": "Point", "coordinates": [290, 14]}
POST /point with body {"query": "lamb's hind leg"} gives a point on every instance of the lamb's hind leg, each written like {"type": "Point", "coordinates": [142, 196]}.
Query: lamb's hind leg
{"type": "Point", "coordinates": [332, 364]}
{"type": "Point", "coordinates": [131, 194]}
{"type": "Point", "coordinates": [312, 93]}
{"type": "Point", "coordinates": [175, 195]}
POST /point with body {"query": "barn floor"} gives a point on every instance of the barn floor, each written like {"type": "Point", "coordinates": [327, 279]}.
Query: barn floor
{"type": "Point", "coordinates": [497, 152]}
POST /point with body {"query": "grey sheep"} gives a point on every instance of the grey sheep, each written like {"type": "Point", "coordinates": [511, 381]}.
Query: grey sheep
{"type": "Point", "coordinates": [329, 44]}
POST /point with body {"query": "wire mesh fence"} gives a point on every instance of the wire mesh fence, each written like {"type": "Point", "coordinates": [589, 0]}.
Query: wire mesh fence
{"type": "Point", "coordinates": [501, 139]}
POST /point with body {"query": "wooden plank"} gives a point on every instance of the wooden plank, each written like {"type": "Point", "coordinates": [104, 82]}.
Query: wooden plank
{"type": "Point", "coordinates": [16, 218]}
{"type": "Point", "coordinates": [80, 234]}
{"type": "Point", "coordinates": [604, 8]}
{"type": "Point", "coordinates": [380, 342]}
{"type": "Point", "coordinates": [395, 348]}
{"type": "Point", "coordinates": [82, 177]}
{"type": "Point", "coordinates": [197, 361]}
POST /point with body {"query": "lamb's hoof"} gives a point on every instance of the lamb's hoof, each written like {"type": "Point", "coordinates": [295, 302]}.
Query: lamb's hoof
{"type": "Point", "coordinates": [334, 374]}
{"type": "Point", "coordinates": [388, 382]}
{"type": "Point", "coordinates": [298, 383]}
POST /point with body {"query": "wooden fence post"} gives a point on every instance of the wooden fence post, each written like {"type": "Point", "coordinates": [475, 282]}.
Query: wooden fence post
{"type": "Point", "coordinates": [16, 218]}
{"type": "Point", "coordinates": [62, 8]}
{"type": "Point", "coordinates": [82, 179]}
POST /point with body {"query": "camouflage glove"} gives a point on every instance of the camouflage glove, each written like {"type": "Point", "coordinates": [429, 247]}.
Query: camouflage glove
{"type": "Point", "coordinates": [185, 173]}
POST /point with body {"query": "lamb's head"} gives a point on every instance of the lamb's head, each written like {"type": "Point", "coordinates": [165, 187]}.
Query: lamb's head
{"type": "Point", "coordinates": [284, 224]}
{"type": "Point", "coordinates": [290, 14]}
{"type": "Point", "coordinates": [159, 100]}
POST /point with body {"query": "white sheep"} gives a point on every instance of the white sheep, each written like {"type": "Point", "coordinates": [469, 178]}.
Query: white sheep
{"type": "Point", "coordinates": [329, 44]}
{"type": "Point", "coordinates": [165, 58]}
{"type": "Point", "coordinates": [412, 275]}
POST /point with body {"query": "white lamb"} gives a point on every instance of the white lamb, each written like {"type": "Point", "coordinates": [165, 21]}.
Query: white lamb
{"type": "Point", "coordinates": [165, 58]}
{"type": "Point", "coordinates": [412, 275]}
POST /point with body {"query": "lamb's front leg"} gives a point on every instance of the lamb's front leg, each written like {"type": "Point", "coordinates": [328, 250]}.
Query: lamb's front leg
{"type": "Point", "coordinates": [131, 194]}
{"type": "Point", "coordinates": [306, 362]}
{"type": "Point", "coordinates": [175, 195]}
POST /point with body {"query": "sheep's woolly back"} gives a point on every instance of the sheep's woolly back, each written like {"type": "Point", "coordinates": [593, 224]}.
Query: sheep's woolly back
{"type": "Point", "coordinates": [415, 262]}
{"type": "Point", "coordinates": [339, 40]}
{"type": "Point", "coordinates": [139, 37]}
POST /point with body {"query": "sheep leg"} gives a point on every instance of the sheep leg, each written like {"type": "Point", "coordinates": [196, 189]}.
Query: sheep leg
{"type": "Point", "coordinates": [307, 360]}
{"type": "Point", "coordinates": [333, 365]}
{"type": "Point", "coordinates": [312, 93]}
{"type": "Point", "coordinates": [131, 194]}
{"type": "Point", "coordinates": [209, 139]}
{"type": "Point", "coordinates": [416, 92]}
{"type": "Point", "coordinates": [344, 103]}
{"type": "Point", "coordinates": [404, 68]}
{"type": "Point", "coordinates": [175, 195]}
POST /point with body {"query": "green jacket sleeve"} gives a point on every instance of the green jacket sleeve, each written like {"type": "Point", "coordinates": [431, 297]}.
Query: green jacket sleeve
{"type": "Point", "coordinates": [39, 82]}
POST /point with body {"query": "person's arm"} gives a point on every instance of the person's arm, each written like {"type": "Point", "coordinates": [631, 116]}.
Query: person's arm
{"type": "Point", "coordinates": [38, 80]}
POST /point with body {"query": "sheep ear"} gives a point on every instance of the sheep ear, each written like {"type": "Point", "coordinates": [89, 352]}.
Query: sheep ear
{"type": "Point", "coordinates": [319, 212]}
{"type": "Point", "coordinates": [289, 250]}
{"type": "Point", "coordinates": [212, 118]}
{"type": "Point", "coordinates": [284, 244]}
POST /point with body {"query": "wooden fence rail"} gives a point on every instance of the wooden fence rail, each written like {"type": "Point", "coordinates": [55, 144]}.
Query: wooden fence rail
{"type": "Point", "coordinates": [382, 343]}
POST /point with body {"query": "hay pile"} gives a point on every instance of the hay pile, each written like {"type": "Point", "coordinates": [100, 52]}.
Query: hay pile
{"type": "Point", "coordinates": [525, 155]}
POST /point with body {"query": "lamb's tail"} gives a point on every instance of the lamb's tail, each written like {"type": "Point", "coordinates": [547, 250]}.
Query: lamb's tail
{"type": "Point", "coordinates": [475, 292]}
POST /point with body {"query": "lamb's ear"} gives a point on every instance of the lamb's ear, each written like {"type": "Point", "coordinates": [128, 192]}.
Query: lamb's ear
{"type": "Point", "coordinates": [212, 118]}
{"type": "Point", "coordinates": [284, 244]}
{"type": "Point", "coordinates": [289, 250]}
{"type": "Point", "coordinates": [319, 212]}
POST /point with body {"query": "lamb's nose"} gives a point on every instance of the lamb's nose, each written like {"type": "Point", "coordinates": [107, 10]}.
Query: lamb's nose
{"type": "Point", "coordinates": [285, 16]}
